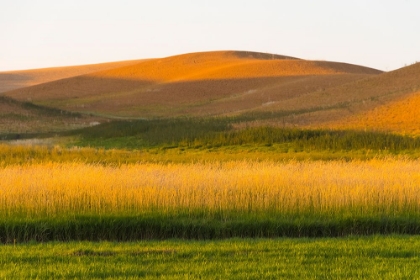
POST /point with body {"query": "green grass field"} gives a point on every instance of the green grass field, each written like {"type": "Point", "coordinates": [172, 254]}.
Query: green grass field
{"type": "Point", "coordinates": [187, 140]}
{"type": "Point", "coordinates": [219, 132]}
{"type": "Point", "coordinates": [375, 257]}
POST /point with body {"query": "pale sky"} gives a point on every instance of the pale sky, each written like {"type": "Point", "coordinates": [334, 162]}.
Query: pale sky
{"type": "Point", "coordinates": [383, 34]}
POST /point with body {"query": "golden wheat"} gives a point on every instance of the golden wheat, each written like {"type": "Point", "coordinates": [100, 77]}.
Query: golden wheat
{"type": "Point", "coordinates": [51, 189]}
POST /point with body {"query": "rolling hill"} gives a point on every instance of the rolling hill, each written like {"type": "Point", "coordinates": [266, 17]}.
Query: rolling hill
{"type": "Point", "coordinates": [256, 88]}
{"type": "Point", "coordinates": [11, 80]}
{"type": "Point", "coordinates": [198, 84]}
{"type": "Point", "coordinates": [342, 106]}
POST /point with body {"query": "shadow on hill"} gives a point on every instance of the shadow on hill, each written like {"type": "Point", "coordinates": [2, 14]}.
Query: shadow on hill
{"type": "Point", "coordinates": [22, 120]}
{"type": "Point", "coordinates": [39, 109]}
{"type": "Point", "coordinates": [77, 87]}
{"type": "Point", "coordinates": [9, 81]}
{"type": "Point", "coordinates": [139, 98]}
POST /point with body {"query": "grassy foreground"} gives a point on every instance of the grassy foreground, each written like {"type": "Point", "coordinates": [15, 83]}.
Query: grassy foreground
{"type": "Point", "coordinates": [375, 257]}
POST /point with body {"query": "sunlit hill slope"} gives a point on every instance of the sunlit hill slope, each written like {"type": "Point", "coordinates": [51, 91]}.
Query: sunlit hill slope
{"type": "Point", "coordinates": [400, 116]}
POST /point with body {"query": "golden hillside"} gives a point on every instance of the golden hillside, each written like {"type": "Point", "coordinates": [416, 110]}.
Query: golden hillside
{"type": "Point", "coordinates": [198, 84]}
{"type": "Point", "coordinates": [399, 116]}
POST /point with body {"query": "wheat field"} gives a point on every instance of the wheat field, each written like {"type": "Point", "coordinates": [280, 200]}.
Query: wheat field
{"type": "Point", "coordinates": [374, 187]}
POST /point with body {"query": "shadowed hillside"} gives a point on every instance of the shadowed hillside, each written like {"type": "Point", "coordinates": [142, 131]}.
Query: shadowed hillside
{"type": "Point", "coordinates": [26, 118]}
{"type": "Point", "coordinates": [198, 84]}
{"type": "Point", "coordinates": [11, 80]}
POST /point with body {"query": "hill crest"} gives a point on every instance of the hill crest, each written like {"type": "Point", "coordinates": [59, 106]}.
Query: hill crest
{"type": "Point", "coordinates": [228, 65]}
